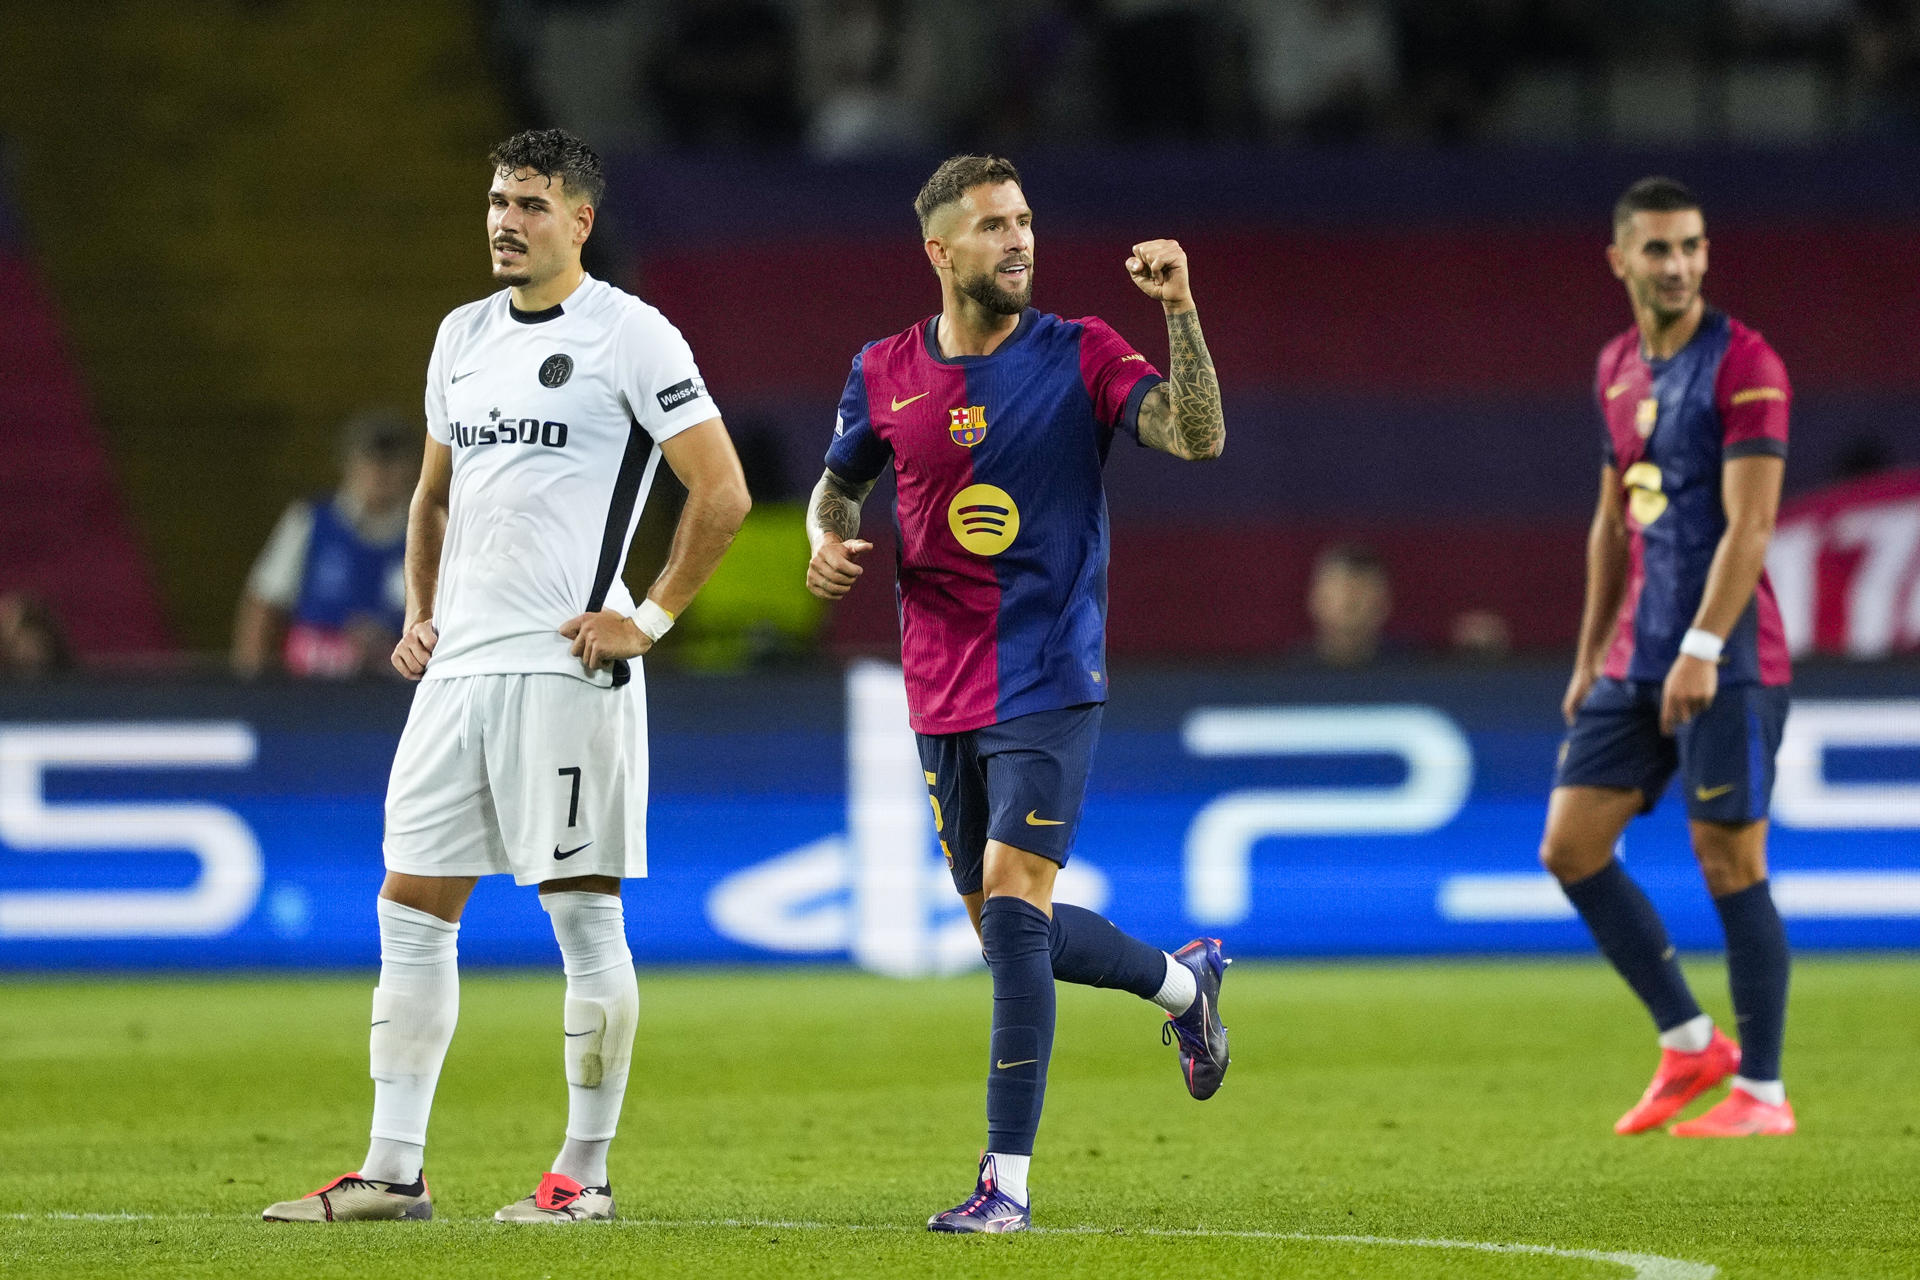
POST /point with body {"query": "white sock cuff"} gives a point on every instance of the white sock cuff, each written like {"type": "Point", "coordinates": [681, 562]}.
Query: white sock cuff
{"type": "Point", "coordinates": [1178, 992]}
{"type": "Point", "coordinates": [411, 936]}
{"type": "Point", "coordinates": [591, 929]}
{"type": "Point", "coordinates": [1691, 1036]}
{"type": "Point", "coordinates": [1010, 1175]}
{"type": "Point", "coordinates": [1773, 1092]}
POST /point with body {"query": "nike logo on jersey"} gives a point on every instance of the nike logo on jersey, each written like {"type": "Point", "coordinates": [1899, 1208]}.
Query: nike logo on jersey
{"type": "Point", "coordinates": [1024, 1062]}
{"type": "Point", "coordinates": [1615, 391]}
{"type": "Point", "coordinates": [898, 405]}
{"type": "Point", "coordinates": [575, 1035]}
{"type": "Point", "coordinates": [1704, 794]}
{"type": "Point", "coordinates": [468, 374]}
{"type": "Point", "coordinates": [1035, 820]}
{"type": "Point", "coordinates": [559, 856]}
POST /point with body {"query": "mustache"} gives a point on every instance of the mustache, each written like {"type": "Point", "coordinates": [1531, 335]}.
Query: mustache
{"type": "Point", "coordinates": [505, 243]}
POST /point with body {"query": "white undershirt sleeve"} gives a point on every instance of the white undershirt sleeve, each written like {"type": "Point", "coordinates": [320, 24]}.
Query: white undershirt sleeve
{"type": "Point", "coordinates": [275, 579]}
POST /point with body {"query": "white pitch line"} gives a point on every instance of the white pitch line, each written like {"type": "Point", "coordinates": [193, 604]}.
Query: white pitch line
{"type": "Point", "coordinates": [1644, 1266]}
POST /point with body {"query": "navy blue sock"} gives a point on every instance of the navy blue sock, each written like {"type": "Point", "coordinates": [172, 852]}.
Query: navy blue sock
{"type": "Point", "coordinates": [1014, 935]}
{"type": "Point", "coordinates": [1090, 950]}
{"type": "Point", "coordinates": [1757, 965]}
{"type": "Point", "coordinates": [1630, 935]}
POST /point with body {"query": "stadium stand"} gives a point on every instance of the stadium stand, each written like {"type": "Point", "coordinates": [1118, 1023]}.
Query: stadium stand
{"type": "Point", "coordinates": [63, 533]}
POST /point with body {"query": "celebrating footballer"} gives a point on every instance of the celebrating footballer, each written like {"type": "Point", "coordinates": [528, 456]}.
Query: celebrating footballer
{"type": "Point", "coordinates": [996, 420]}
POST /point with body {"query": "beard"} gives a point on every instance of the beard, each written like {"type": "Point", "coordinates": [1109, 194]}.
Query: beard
{"type": "Point", "coordinates": [985, 289]}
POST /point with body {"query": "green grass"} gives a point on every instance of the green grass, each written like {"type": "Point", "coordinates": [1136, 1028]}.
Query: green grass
{"type": "Point", "coordinates": [1467, 1102]}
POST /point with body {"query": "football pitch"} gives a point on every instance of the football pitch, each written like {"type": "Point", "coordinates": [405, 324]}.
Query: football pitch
{"type": "Point", "coordinates": [1380, 1120]}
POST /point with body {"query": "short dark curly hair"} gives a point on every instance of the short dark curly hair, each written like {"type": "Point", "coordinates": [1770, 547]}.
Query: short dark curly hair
{"type": "Point", "coordinates": [956, 177]}
{"type": "Point", "coordinates": [554, 153]}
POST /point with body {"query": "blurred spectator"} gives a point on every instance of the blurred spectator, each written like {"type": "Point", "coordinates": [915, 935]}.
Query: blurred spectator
{"type": "Point", "coordinates": [1160, 59]}
{"type": "Point", "coordinates": [327, 596]}
{"type": "Point", "coordinates": [1454, 57]}
{"type": "Point", "coordinates": [1792, 28]}
{"type": "Point", "coordinates": [1482, 635]}
{"type": "Point", "coordinates": [1348, 601]}
{"type": "Point", "coordinates": [1322, 68]}
{"type": "Point", "coordinates": [1864, 455]}
{"type": "Point", "coordinates": [1886, 67]}
{"type": "Point", "coordinates": [725, 75]}
{"type": "Point", "coordinates": [854, 69]}
{"type": "Point", "coordinates": [33, 644]}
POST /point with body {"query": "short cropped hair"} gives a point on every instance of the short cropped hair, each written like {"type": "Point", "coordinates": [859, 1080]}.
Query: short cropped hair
{"type": "Point", "coordinates": [1354, 557]}
{"type": "Point", "coordinates": [1651, 195]}
{"type": "Point", "coordinates": [381, 434]}
{"type": "Point", "coordinates": [958, 176]}
{"type": "Point", "coordinates": [553, 153]}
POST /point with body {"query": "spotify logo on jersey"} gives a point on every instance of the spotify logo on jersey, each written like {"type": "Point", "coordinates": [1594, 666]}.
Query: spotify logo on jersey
{"type": "Point", "coordinates": [984, 519]}
{"type": "Point", "coordinates": [1645, 496]}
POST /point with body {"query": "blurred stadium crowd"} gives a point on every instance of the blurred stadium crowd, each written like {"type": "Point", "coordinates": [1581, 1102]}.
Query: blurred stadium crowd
{"type": "Point", "coordinates": [848, 78]}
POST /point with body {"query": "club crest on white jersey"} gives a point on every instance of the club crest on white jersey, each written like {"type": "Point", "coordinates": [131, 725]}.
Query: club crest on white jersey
{"type": "Point", "coordinates": [554, 419]}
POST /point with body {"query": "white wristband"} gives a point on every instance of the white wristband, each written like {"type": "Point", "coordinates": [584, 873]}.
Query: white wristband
{"type": "Point", "coordinates": [1703, 645]}
{"type": "Point", "coordinates": [652, 620]}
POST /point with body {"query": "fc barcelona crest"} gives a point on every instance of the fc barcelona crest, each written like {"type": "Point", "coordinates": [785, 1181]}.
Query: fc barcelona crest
{"type": "Point", "coordinates": [1645, 414]}
{"type": "Point", "coordinates": [967, 426]}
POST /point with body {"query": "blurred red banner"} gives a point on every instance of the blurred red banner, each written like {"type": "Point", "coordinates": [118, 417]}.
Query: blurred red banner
{"type": "Point", "coordinates": [1845, 564]}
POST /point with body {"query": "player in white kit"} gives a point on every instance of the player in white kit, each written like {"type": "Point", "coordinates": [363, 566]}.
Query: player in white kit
{"type": "Point", "coordinates": [549, 406]}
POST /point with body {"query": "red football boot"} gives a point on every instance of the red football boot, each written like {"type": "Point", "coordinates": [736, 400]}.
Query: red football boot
{"type": "Point", "coordinates": [1738, 1115]}
{"type": "Point", "coordinates": [1682, 1077]}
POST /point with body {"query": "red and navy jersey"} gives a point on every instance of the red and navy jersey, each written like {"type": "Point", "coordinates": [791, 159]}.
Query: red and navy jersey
{"type": "Point", "coordinates": [1001, 514]}
{"type": "Point", "coordinates": [1669, 426]}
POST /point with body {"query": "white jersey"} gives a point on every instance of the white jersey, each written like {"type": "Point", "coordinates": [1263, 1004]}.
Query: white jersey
{"type": "Point", "coordinates": [555, 419]}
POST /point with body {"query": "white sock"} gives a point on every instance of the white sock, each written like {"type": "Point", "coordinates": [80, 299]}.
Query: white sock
{"type": "Point", "coordinates": [1773, 1092]}
{"type": "Point", "coordinates": [1177, 994]}
{"type": "Point", "coordinates": [415, 1008]}
{"type": "Point", "coordinates": [584, 1162]}
{"type": "Point", "coordinates": [1010, 1174]}
{"type": "Point", "coordinates": [1691, 1036]}
{"type": "Point", "coordinates": [601, 1014]}
{"type": "Point", "coordinates": [387, 1160]}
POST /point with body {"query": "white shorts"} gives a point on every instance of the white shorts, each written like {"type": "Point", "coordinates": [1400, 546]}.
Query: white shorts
{"type": "Point", "coordinates": [543, 777]}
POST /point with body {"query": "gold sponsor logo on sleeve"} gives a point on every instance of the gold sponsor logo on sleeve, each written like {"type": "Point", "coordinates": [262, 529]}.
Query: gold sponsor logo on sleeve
{"type": "Point", "coordinates": [1752, 394]}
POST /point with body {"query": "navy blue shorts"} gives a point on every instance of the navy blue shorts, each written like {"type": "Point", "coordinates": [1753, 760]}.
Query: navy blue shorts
{"type": "Point", "coordinates": [1724, 754]}
{"type": "Point", "coordinates": [1021, 782]}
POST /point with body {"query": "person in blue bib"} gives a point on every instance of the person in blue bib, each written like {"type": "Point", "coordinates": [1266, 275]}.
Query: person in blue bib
{"type": "Point", "coordinates": [326, 598]}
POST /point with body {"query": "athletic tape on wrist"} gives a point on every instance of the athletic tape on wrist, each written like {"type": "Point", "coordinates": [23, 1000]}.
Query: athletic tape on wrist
{"type": "Point", "coordinates": [1703, 645]}
{"type": "Point", "coordinates": [652, 620]}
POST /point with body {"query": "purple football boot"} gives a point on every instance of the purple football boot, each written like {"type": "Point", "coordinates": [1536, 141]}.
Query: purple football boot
{"type": "Point", "coordinates": [1202, 1036]}
{"type": "Point", "coordinates": [988, 1209]}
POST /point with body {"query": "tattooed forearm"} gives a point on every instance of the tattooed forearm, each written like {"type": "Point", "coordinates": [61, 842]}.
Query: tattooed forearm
{"type": "Point", "coordinates": [1182, 416]}
{"type": "Point", "coordinates": [835, 508]}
